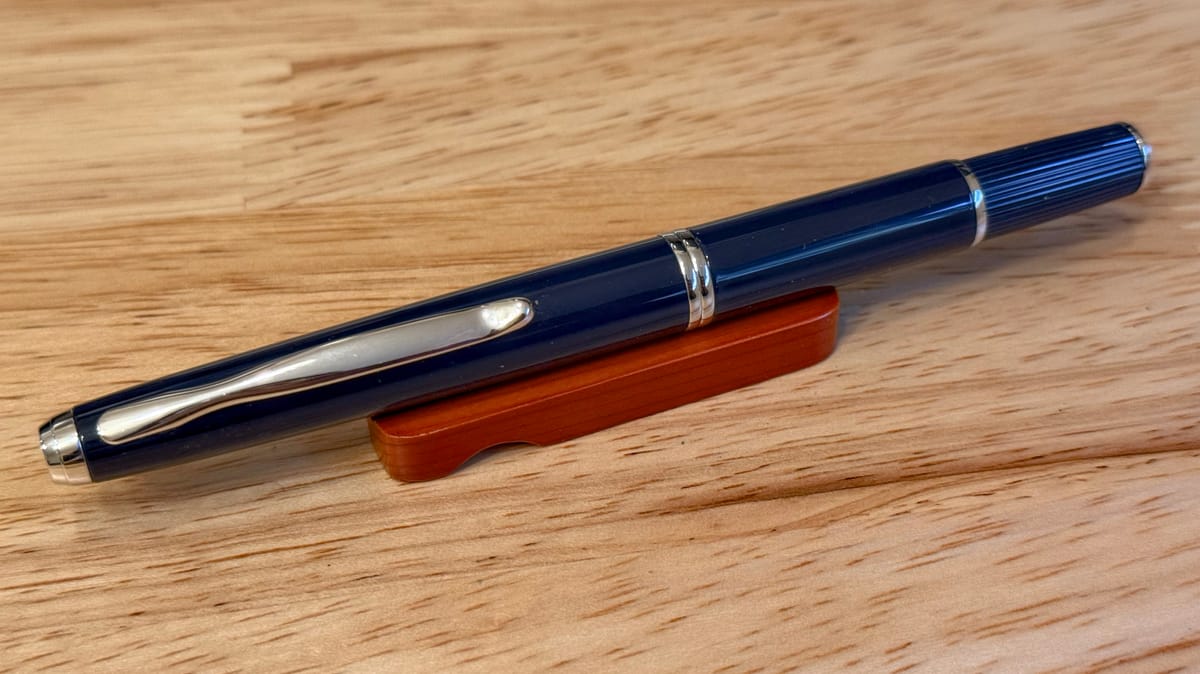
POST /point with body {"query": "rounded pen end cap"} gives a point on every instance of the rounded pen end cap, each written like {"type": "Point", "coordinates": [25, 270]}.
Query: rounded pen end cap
{"type": "Point", "coordinates": [1146, 150]}
{"type": "Point", "coordinates": [62, 451]}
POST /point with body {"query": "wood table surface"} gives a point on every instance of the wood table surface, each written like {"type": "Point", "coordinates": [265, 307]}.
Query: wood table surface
{"type": "Point", "coordinates": [997, 470]}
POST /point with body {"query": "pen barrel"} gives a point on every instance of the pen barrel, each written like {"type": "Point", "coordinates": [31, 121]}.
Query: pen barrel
{"type": "Point", "coordinates": [828, 238]}
{"type": "Point", "coordinates": [1032, 183]}
{"type": "Point", "coordinates": [842, 234]}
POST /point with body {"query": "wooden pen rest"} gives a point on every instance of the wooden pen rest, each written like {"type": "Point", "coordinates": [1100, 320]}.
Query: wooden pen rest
{"type": "Point", "coordinates": [432, 440]}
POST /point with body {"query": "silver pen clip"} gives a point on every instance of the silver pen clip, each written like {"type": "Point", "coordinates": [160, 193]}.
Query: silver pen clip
{"type": "Point", "coordinates": [328, 363]}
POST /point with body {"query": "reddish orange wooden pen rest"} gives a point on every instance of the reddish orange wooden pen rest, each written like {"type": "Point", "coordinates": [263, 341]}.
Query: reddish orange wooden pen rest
{"type": "Point", "coordinates": [432, 440]}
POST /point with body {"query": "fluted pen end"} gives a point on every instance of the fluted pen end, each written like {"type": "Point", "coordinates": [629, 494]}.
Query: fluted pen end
{"type": "Point", "coordinates": [1035, 182]}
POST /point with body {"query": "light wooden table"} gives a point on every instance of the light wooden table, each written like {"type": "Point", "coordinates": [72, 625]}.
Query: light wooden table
{"type": "Point", "coordinates": [999, 469]}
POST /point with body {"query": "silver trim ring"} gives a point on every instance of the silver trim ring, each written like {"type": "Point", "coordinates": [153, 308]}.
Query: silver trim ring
{"type": "Point", "coordinates": [61, 449]}
{"type": "Point", "coordinates": [697, 276]}
{"type": "Point", "coordinates": [977, 200]}
{"type": "Point", "coordinates": [1145, 149]}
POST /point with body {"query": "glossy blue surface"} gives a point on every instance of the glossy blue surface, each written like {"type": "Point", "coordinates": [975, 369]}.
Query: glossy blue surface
{"type": "Point", "coordinates": [827, 238]}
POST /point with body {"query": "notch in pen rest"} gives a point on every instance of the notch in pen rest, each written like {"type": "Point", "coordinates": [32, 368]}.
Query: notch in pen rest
{"type": "Point", "coordinates": [432, 440]}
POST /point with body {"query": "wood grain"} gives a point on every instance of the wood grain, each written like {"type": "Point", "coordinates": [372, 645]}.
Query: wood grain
{"type": "Point", "coordinates": [998, 470]}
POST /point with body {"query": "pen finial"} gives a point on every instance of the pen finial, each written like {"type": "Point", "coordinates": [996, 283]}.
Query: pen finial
{"type": "Point", "coordinates": [61, 449]}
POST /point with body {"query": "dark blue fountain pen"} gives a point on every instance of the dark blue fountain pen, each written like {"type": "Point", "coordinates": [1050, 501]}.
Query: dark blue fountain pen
{"type": "Point", "coordinates": [678, 281]}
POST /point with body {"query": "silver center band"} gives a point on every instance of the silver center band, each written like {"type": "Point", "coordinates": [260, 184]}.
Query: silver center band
{"type": "Point", "coordinates": [697, 277]}
{"type": "Point", "coordinates": [978, 200]}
